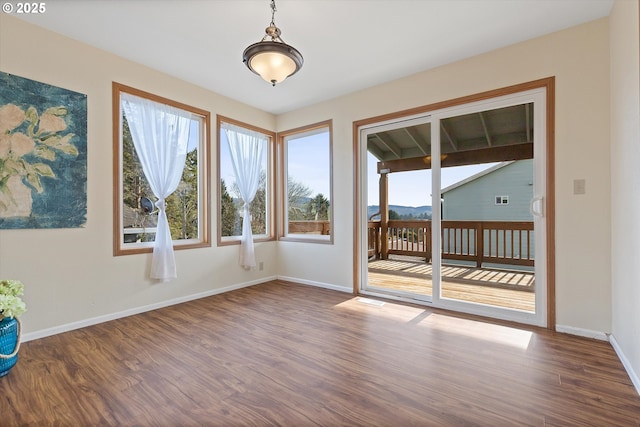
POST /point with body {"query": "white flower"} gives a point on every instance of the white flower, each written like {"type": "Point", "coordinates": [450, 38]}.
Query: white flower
{"type": "Point", "coordinates": [11, 305]}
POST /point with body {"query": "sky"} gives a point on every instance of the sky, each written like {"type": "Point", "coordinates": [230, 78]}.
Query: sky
{"type": "Point", "coordinates": [414, 188]}
{"type": "Point", "coordinates": [308, 162]}
{"type": "Point", "coordinates": [194, 135]}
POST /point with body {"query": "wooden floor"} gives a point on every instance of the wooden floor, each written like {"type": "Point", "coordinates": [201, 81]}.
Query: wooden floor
{"type": "Point", "coordinates": [281, 354]}
{"type": "Point", "coordinates": [501, 288]}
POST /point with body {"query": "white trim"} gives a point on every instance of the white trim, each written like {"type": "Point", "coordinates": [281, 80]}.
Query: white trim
{"type": "Point", "coordinates": [137, 310]}
{"type": "Point", "coordinates": [635, 379]}
{"type": "Point", "coordinates": [409, 300]}
{"type": "Point", "coordinates": [587, 333]}
{"type": "Point", "coordinates": [314, 283]}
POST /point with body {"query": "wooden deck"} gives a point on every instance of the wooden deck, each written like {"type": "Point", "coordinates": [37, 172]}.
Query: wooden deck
{"type": "Point", "coordinates": [502, 288]}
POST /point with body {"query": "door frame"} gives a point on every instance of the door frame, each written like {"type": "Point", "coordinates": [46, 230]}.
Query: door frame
{"type": "Point", "coordinates": [549, 164]}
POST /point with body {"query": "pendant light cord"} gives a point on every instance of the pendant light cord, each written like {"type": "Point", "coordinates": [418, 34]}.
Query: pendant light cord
{"type": "Point", "coordinates": [273, 12]}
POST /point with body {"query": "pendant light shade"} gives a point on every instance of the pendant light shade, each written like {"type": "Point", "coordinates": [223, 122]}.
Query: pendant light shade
{"type": "Point", "coordinates": [271, 58]}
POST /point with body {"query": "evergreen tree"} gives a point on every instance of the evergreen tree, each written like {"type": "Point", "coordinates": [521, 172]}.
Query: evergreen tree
{"type": "Point", "coordinates": [257, 209]}
{"type": "Point", "coordinates": [229, 219]}
{"type": "Point", "coordinates": [134, 184]}
{"type": "Point", "coordinates": [318, 208]}
{"type": "Point", "coordinates": [182, 205]}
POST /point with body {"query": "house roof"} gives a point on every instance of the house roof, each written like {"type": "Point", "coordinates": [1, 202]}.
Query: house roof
{"type": "Point", "coordinates": [347, 45]}
{"type": "Point", "coordinates": [475, 177]}
{"type": "Point", "coordinates": [132, 218]}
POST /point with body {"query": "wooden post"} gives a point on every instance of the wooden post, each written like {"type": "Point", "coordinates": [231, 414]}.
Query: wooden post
{"type": "Point", "coordinates": [479, 245]}
{"type": "Point", "coordinates": [384, 216]}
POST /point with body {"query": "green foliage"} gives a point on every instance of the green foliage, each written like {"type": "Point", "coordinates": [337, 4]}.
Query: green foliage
{"type": "Point", "coordinates": [182, 205]}
{"type": "Point", "coordinates": [229, 218]}
{"type": "Point", "coordinates": [257, 209]}
{"type": "Point", "coordinates": [393, 214]}
{"type": "Point", "coordinates": [318, 208]}
{"type": "Point", "coordinates": [134, 183]}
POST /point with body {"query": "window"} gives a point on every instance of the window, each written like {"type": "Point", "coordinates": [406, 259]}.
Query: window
{"type": "Point", "coordinates": [230, 204]}
{"type": "Point", "coordinates": [502, 200]}
{"type": "Point", "coordinates": [135, 212]}
{"type": "Point", "coordinates": [306, 183]}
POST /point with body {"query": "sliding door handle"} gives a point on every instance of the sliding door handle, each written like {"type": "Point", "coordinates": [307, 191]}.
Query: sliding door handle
{"type": "Point", "coordinates": [536, 206]}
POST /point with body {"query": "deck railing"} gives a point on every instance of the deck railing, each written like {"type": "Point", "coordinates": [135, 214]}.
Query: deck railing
{"type": "Point", "coordinates": [310, 227]}
{"type": "Point", "coordinates": [499, 242]}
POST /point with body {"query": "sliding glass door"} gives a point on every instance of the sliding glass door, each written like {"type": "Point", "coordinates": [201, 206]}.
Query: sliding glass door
{"type": "Point", "coordinates": [460, 219]}
{"type": "Point", "coordinates": [399, 207]}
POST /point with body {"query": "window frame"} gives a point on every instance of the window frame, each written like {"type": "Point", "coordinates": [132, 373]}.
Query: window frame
{"type": "Point", "coordinates": [283, 231]}
{"type": "Point", "coordinates": [204, 174]}
{"type": "Point", "coordinates": [270, 184]}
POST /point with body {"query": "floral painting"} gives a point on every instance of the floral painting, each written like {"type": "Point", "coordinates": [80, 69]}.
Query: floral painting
{"type": "Point", "coordinates": [43, 155]}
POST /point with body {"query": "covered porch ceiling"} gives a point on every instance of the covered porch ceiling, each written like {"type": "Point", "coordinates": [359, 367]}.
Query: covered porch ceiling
{"type": "Point", "coordinates": [489, 136]}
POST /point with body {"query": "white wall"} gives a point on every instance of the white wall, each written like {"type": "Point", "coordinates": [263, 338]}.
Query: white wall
{"type": "Point", "coordinates": [579, 58]}
{"type": "Point", "coordinates": [70, 275]}
{"type": "Point", "coordinates": [625, 183]}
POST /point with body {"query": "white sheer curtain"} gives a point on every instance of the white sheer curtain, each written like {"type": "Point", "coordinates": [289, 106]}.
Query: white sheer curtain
{"type": "Point", "coordinates": [246, 148]}
{"type": "Point", "coordinates": [160, 135]}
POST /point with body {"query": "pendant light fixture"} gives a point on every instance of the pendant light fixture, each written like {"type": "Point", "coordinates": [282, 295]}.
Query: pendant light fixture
{"type": "Point", "coordinates": [271, 58]}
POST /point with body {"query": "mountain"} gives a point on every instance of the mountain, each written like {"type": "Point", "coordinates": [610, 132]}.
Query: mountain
{"type": "Point", "coordinates": [403, 211]}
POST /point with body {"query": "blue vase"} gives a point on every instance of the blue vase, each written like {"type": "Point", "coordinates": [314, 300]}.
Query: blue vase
{"type": "Point", "coordinates": [8, 342]}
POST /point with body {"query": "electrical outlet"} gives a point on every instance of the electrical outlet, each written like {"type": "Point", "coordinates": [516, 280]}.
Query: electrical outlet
{"type": "Point", "coordinates": [579, 186]}
{"type": "Point", "coordinates": [261, 266]}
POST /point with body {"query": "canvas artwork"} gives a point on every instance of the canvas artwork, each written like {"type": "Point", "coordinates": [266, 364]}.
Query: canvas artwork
{"type": "Point", "coordinates": [43, 155]}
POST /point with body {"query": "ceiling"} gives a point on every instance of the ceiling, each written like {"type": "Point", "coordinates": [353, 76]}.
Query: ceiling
{"type": "Point", "coordinates": [348, 45]}
{"type": "Point", "coordinates": [490, 130]}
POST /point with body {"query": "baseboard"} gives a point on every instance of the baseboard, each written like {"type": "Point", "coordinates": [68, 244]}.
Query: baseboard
{"type": "Point", "coordinates": [625, 362]}
{"type": "Point", "coordinates": [318, 284]}
{"type": "Point", "coordinates": [587, 333]}
{"type": "Point", "coordinates": [137, 310]}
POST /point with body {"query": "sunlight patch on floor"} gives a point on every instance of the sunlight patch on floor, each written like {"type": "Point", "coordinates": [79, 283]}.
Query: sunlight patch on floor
{"type": "Point", "coordinates": [383, 309]}
{"type": "Point", "coordinates": [498, 334]}
{"type": "Point", "coordinates": [370, 301]}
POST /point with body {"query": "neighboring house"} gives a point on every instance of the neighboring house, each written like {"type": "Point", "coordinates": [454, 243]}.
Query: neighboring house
{"type": "Point", "coordinates": [500, 193]}
{"type": "Point", "coordinates": [137, 224]}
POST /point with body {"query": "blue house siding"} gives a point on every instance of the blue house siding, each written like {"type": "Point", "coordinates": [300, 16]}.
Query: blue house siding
{"type": "Point", "coordinates": [475, 199]}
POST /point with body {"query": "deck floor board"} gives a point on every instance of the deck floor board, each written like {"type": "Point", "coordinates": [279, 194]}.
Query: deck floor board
{"type": "Point", "coordinates": [502, 288]}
